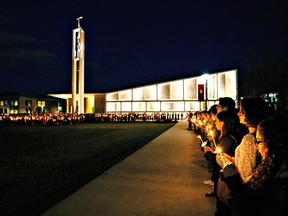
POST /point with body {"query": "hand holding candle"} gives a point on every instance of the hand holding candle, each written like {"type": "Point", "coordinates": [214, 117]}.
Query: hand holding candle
{"type": "Point", "coordinates": [218, 150]}
{"type": "Point", "coordinates": [211, 133]}
{"type": "Point", "coordinates": [200, 138]}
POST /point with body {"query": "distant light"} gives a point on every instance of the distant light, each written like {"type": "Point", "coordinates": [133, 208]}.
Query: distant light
{"type": "Point", "coordinates": [205, 76]}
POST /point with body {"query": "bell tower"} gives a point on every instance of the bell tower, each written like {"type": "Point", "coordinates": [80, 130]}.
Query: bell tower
{"type": "Point", "coordinates": [78, 56]}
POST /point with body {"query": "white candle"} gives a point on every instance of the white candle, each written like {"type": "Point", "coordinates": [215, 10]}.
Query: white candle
{"type": "Point", "coordinates": [200, 138]}
{"type": "Point", "coordinates": [211, 133]}
{"type": "Point", "coordinates": [220, 151]}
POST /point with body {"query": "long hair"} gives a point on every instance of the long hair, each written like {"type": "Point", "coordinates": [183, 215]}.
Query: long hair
{"type": "Point", "coordinates": [255, 110]}
{"type": "Point", "coordinates": [231, 122]}
{"type": "Point", "coordinates": [274, 130]}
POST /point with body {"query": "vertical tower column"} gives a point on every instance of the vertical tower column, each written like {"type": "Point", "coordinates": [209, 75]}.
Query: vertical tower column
{"type": "Point", "coordinates": [78, 56]}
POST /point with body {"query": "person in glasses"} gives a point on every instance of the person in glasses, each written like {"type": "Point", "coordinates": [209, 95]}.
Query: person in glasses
{"type": "Point", "coordinates": [252, 111]}
{"type": "Point", "coordinates": [265, 191]}
{"type": "Point", "coordinates": [246, 158]}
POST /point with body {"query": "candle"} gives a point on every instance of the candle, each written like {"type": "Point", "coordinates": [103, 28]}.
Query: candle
{"type": "Point", "coordinates": [211, 133]}
{"type": "Point", "coordinates": [200, 138]}
{"type": "Point", "coordinates": [220, 151]}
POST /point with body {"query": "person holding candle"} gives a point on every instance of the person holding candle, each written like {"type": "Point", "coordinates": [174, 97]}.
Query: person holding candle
{"type": "Point", "coordinates": [252, 112]}
{"type": "Point", "coordinates": [265, 191]}
{"type": "Point", "coordinates": [212, 133]}
{"type": "Point", "coordinates": [227, 123]}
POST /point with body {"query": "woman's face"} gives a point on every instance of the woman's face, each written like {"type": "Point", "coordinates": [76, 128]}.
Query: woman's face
{"type": "Point", "coordinates": [242, 116]}
{"type": "Point", "coordinates": [219, 124]}
{"type": "Point", "coordinates": [260, 144]}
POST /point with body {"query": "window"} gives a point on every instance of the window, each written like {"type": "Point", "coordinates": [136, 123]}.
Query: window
{"type": "Point", "coordinates": [271, 97]}
{"type": "Point", "coordinates": [41, 103]}
{"type": "Point", "coordinates": [28, 102]}
{"type": "Point", "coordinates": [59, 107]}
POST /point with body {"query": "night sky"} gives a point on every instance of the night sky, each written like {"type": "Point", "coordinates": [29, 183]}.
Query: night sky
{"type": "Point", "coordinates": [133, 42]}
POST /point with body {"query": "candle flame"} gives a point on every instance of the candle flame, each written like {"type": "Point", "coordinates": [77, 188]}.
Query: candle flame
{"type": "Point", "coordinates": [218, 150]}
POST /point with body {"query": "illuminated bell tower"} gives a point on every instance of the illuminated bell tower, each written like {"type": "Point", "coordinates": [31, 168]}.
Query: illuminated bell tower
{"type": "Point", "coordinates": [78, 56]}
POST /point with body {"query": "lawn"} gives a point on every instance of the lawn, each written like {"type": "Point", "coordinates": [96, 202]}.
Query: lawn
{"type": "Point", "coordinates": [41, 165]}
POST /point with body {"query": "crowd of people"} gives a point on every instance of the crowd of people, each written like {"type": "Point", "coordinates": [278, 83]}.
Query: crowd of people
{"type": "Point", "coordinates": [68, 118]}
{"type": "Point", "coordinates": [245, 148]}
{"type": "Point", "coordinates": [247, 153]}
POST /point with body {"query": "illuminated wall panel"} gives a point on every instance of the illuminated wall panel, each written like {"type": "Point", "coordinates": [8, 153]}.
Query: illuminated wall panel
{"type": "Point", "coordinates": [191, 106]}
{"type": "Point", "coordinates": [212, 87]}
{"type": "Point", "coordinates": [221, 85]}
{"type": "Point", "coordinates": [176, 90]}
{"type": "Point", "coordinates": [126, 107]}
{"type": "Point", "coordinates": [113, 106]}
{"type": "Point", "coordinates": [125, 95]}
{"type": "Point", "coordinates": [138, 106]}
{"type": "Point", "coordinates": [172, 106]}
{"type": "Point", "coordinates": [112, 96]}
{"type": "Point", "coordinates": [227, 85]}
{"type": "Point", "coordinates": [138, 94]}
{"type": "Point", "coordinates": [190, 89]}
{"type": "Point", "coordinates": [153, 106]}
{"type": "Point", "coordinates": [151, 92]}
{"type": "Point", "coordinates": [210, 103]}
{"type": "Point", "coordinates": [90, 104]}
{"type": "Point", "coordinates": [164, 91]}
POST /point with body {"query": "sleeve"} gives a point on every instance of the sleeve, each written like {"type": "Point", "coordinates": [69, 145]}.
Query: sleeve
{"type": "Point", "coordinates": [222, 161]}
{"type": "Point", "coordinates": [261, 175]}
{"type": "Point", "coordinates": [228, 145]}
{"type": "Point", "coordinates": [246, 159]}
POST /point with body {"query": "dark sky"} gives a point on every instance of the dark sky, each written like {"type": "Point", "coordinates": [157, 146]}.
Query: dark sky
{"type": "Point", "coordinates": [133, 42]}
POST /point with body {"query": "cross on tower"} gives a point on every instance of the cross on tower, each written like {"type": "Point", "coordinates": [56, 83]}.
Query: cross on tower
{"type": "Point", "coordinates": [78, 19]}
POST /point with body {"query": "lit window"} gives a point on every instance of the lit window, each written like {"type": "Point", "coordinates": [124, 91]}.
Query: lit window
{"type": "Point", "coordinates": [41, 103]}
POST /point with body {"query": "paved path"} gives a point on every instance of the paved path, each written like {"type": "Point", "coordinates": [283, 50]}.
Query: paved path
{"type": "Point", "coordinates": [165, 177]}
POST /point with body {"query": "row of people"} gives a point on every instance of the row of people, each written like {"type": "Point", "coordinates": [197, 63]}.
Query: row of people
{"type": "Point", "coordinates": [68, 118]}
{"type": "Point", "coordinates": [247, 162]}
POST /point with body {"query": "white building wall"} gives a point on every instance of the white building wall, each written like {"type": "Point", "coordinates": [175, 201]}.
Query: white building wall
{"type": "Point", "coordinates": [174, 96]}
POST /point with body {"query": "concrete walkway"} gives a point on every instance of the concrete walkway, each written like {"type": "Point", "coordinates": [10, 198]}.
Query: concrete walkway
{"type": "Point", "coordinates": [165, 177]}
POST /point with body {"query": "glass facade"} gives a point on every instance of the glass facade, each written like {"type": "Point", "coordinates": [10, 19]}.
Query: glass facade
{"type": "Point", "coordinates": [175, 96]}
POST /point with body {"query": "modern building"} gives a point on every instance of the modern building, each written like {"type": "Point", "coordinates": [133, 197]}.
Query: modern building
{"type": "Point", "coordinates": [172, 97]}
{"type": "Point", "coordinates": [27, 104]}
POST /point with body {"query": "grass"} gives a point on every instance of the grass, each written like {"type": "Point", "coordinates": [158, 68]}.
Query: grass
{"type": "Point", "coordinates": [41, 165]}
